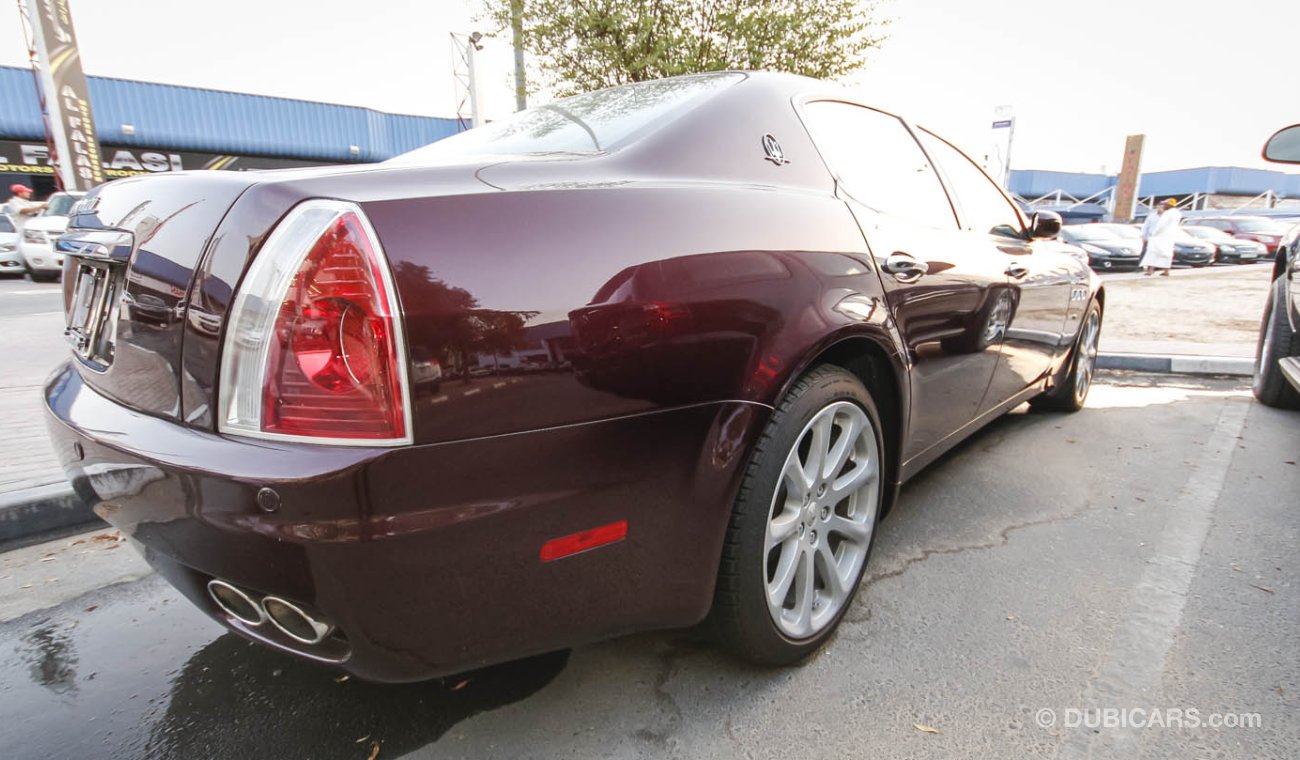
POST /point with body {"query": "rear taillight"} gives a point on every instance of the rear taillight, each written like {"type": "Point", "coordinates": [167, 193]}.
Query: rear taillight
{"type": "Point", "coordinates": [313, 350]}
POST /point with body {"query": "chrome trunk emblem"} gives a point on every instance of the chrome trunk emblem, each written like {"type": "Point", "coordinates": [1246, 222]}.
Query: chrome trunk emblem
{"type": "Point", "coordinates": [773, 150]}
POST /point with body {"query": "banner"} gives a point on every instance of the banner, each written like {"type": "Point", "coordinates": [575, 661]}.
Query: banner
{"type": "Point", "coordinates": [1126, 190]}
{"type": "Point", "coordinates": [19, 157]}
{"type": "Point", "coordinates": [997, 162]}
{"type": "Point", "coordinates": [66, 99]}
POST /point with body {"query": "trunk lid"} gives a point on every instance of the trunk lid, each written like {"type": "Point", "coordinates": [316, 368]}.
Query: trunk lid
{"type": "Point", "coordinates": [153, 263]}
{"type": "Point", "coordinates": [130, 252]}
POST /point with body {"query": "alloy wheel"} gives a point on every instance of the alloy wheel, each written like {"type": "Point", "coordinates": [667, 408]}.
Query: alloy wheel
{"type": "Point", "coordinates": [1087, 356]}
{"type": "Point", "coordinates": [821, 519]}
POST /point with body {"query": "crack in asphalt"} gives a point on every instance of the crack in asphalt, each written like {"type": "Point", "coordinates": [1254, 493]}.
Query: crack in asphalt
{"type": "Point", "coordinates": [1004, 535]}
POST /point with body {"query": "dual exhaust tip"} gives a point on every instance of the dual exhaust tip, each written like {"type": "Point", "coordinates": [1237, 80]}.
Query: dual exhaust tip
{"type": "Point", "coordinates": [288, 618]}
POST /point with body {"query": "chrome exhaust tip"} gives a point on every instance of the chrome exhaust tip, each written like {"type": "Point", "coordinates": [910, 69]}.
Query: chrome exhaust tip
{"type": "Point", "coordinates": [295, 622]}
{"type": "Point", "coordinates": [236, 603]}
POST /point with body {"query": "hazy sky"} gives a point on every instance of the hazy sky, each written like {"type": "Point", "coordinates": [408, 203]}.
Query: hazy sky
{"type": "Point", "coordinates": [1207, 82]}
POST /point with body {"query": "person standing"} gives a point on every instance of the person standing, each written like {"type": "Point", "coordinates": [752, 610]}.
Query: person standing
{"type": "Point", "coordinates": [21, 207]}
{"type": "Point", "coordinates": [1159, 232]}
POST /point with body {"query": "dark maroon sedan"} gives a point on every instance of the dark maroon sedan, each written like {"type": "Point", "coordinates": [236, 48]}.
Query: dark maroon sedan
{"type": "Point", "coordinates": [690, 336]}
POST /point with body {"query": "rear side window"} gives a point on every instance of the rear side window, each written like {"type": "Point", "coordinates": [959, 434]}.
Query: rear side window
{"type": "Point", "coordinates": [595, 122]}
{"type": "Point", "coordinates": [983, 206]}
{"type": "Point", "coordinates": [878, 163]}
{"type": "Point", "coordinates": [6, 225]}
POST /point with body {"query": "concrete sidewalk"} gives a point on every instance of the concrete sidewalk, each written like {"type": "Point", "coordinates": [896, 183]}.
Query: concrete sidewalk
{"type": "Point", "coordinates": [1214, 311]}
{"type": "Point", "coordinates": [35, 498]}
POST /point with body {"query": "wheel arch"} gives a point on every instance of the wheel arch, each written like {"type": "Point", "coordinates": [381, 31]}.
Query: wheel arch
{"type": "Point", "coordinates": [883, 374]}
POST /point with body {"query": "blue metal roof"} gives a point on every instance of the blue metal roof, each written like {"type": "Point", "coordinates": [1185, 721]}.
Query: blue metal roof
{"type": "Point", "coordinates": [1224, 180]}
{"type": "Point", "coordinates": [1227, 180]}
{"type": "Point", "coordinates": [1031, 184]}
{"type": "Point", "coordinates": [189, 118]}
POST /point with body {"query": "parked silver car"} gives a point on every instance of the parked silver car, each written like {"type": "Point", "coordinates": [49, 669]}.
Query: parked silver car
{"type": "Point", "coordinates": [11, 261]}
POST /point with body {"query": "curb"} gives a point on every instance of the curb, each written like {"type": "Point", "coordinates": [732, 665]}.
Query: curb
{"type": "Point", "coordinates": [1176, 364]}
{"type": "Point", "coordinates": [43, 509]}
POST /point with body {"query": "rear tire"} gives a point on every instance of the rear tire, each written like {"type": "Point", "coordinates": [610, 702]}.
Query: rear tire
{"type": "Point", "coordinates": [1071, 393]}
{"type": "Point", "coordinates": [783, 588]}
{"type": "Point", "coordinates": [1276, 341]}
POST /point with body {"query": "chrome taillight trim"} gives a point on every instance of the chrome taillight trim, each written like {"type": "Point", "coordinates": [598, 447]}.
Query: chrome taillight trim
{"type": "Point", "coordinates": [289, 262]}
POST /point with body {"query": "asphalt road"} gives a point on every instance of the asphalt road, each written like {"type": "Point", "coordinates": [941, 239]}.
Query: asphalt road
{"type": "Point", "coordinates": [20, 296]}
{"type": "Point", "coordinates": [1139, 556]}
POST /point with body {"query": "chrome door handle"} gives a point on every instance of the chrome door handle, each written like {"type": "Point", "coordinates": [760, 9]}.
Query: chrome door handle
{"type": "Point", "coordinates": [1017, 270]}
{"type": "Point", "coordinates": [904, 267]}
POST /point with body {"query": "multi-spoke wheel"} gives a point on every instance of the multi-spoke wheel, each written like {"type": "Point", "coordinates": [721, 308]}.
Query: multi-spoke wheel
{"type": "Point", "coordinates": [1071, 392]}
{"type": "Point", "coordinates": [802, 527]}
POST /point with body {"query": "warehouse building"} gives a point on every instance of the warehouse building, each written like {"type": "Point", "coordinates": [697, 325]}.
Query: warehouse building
{"type": "Point", "coordinates": [1086, 197]}
{"type": "Point", "coordinates": [147, 128]}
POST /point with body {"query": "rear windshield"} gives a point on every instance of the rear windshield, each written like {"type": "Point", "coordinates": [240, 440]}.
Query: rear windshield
{"type": "Point", "coordinates": [1124, 231]}
{"type": "Point", "coordinates": [1089, 232]}
{"type": "Point", "coordinates": [1207, 233]}
{"type": "Point", "coordinates": [1261, 226]}
{"type": "Point", "coordinates": [595, 122]}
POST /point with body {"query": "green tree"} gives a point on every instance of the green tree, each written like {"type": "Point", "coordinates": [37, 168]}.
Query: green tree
{"type": "Point", "coordinates": [582, 45]}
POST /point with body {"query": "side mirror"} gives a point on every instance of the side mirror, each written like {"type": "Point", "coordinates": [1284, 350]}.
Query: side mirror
{"type": "Point", "coordinates": [1284, 146]}
{"type": "Point", "coordinates": [1045, 224]}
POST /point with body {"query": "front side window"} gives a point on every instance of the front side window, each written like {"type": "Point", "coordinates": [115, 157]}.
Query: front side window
{"type": "Point", "coordinates": [983, 205]}
{"type": "Point", "coordinates": [595, 122]}
{"type": "Point", "coordinates": [878, 163]}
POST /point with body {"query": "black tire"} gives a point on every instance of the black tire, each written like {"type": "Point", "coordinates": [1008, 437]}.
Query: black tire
{"type": "Point", "coordinates": [741, 619]}
{"type": "Point", "coordinates": [1070, 393]}
{"type": "Point", "coordinates": [1276, 341]}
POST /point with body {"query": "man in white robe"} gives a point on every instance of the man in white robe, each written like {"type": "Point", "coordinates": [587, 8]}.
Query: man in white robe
{"type": "Point", "coordinates": [1160, 235]}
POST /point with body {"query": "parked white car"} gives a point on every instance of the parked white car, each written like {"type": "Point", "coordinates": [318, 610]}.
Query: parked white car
{"type": "Point", "coordinates": [39, 234]}
{"type": "Point", "coordinates": [11, 261]}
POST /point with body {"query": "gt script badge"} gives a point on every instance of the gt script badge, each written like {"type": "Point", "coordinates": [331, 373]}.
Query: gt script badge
{"type": "Point", "coordinates": [773, 150]}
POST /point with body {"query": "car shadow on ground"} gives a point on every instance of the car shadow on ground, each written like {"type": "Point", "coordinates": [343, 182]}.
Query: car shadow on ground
{"type": "Point", "coordinates": [233, 697]}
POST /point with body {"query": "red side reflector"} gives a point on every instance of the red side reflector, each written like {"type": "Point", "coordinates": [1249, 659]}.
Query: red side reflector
{"type": "Point", "coordinates": [581, 542]}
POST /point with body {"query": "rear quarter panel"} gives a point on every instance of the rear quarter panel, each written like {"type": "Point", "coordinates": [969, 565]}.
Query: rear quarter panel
{"type": "Point", "coordinates": [629, 299]}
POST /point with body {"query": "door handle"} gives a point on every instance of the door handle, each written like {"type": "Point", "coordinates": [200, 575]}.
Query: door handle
{"type": "Point", "coordinates": [904, 267]}
{"type": "Point", "coordinates": [1017, 270]}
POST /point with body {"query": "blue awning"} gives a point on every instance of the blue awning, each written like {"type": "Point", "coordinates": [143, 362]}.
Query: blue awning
{"type": "Point", "coordinates": [170, 117]}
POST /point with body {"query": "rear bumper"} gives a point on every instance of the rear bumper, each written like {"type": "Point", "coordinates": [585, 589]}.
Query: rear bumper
{"type": "Point", "coordinates": [426, 558]}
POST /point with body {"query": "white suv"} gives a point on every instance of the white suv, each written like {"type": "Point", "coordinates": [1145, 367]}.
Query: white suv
{"type": "Point", "coordinates": [39, 234]}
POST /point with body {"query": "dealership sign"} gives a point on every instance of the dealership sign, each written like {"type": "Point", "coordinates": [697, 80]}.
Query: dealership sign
{"type": "Point", "coordinates": [34, 158]}
{"type": "Point", "coordinates": [67, 103]}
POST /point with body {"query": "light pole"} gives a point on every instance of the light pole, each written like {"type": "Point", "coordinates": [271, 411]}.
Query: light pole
{"type": "Point", "coordinates": [1005, 119]}
{"type": "Point", "coordinates": [464, 59]}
